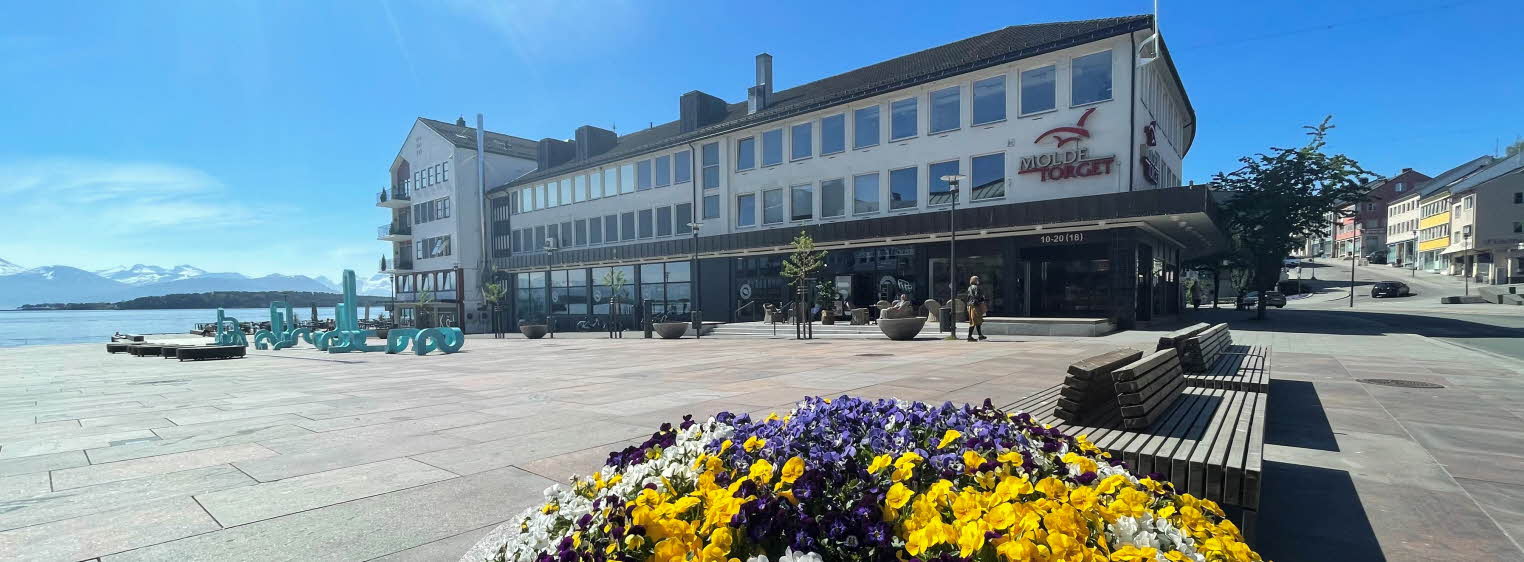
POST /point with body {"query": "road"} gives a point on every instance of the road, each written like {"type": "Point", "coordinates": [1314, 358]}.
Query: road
{"type": "Point", "coordinates": [1497, 329]}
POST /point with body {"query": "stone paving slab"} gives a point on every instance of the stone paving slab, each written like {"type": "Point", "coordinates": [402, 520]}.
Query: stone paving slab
{"type": "Point", "coordinates": [107, 532]}
{"type": "Point", "coordinates": [67, 504]}
{"type": "Point", "coordinates": [79, 477]}
{"type": "Point", "coordinates": [272, 499]}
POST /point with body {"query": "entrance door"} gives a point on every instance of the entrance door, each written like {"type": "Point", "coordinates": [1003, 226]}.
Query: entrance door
{"type": "Point", "coordinates": [1145, 282]}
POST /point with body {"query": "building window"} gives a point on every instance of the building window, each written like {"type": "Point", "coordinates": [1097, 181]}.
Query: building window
{"type": "Point", "coordinates": [938, 191]}
{"type": "Point", "coordinates": [539, 197]}
{"type": "Point", "coordinates": [833, 198]}
{"type": "Point", "coordinates": [539, 238]}
{"type": "Point", "coordinates": [627, 178]}
{"type": "Point", "coordinates": [1037, 90]}
{"type": "Point", "coordinates": [865, 194]}
{"type": "Point", "coordinates": [987, 176]}
{"type": "Point", "coordinates": [746, 209]}
{"type": "Point", "coordinates": [772, 147]}
{"type": "Point", "coordinates": [711, 206]}
{"type": "Point", "coordinates": [1518, 227]}
{"type": "Point", "coordinates": [566, 235]}
{"type": "Point", "coordinates": [664, 221]}
{"type": "Point", "coordinates": [595, 230]}
{"type": "Point", "coordinates": [1090, 78]}
{"type": "Point", "coordinates": [865, 127]}
{"type": "Point", "coordinates": [645, 223]}
{"type": "Point", "coordinates": [802, 142]}
{"type": "Point", "coordinates": [772, 206]}
{"type": "Point", "coordinates": [610, 182]}
{"type": "Point", "coordinates": [902, 119]}
{"type": "Point", "coordinates": [595, 185]}
{"type": "Point", "coordinates": [643, 175]}
{"type": "Point", "coordinates": [682, 215]}
{"type": "Point", "coordinates": [711, 172]}
{"type": "Point", "coordinates": [445, 171]}
{"type": "Point", "coordinates": [746, 153]}
{"type": "Point", "coordinates": [579, 189]}
{"type": "Point", "coordinates": [580, 230]}
{"type": "Point", "coordinates": [516, 245]}
{"type": "Point", "coordinates": [989, 100]}
{"type": "Point", "coordinates": [566, 191]}
{"type": "Point", "coordinates": [1518, 198]}
{"type": "Point", "coordinates": [663, 171]}
{"type": "Point", "coordinates": [945, 109]}
{"type": "Point", "coordinates": [802, 198]}
{"type": "Point", "coordinates": [903, 188]}
{"type": "Point", "coordinates": [833, 134]}
{"type": "Point", "coordinates": [436, 247]}
{"type": "Point", "coordinates": [513, 202]}
{"type": "Point", "coordinates": [682, 167]}
{"type": "Point", "coordinates": [627, 226]}
{"type": "Point", "coordinates": [610, 228]}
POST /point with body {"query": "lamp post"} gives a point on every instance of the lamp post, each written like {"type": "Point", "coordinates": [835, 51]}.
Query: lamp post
{"type": "Point", "coordinates": [550, 264]}
{"type": "Point", "coordinates": [952, 248]}
{"type": "Point", "coordinates": [696, 314]}
{"type": "Point", "coordinates": [1466, 273]}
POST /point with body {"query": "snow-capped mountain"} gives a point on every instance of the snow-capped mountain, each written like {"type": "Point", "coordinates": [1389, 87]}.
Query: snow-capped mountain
{"type": "Point", "coordinates": [53, 283]}
{"type": "Point", "coordinates": [8, 268]}
{"type": "Point", "coordinates": [139, 274]}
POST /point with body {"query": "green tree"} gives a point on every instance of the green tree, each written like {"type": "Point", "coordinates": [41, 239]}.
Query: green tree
{"type": "Point", "coordinates": [1516, 147]}
{"type": "Point", "coordinates": [1284, 195]}
{"type": "Point", "coordinates": [804, 262]}
{"type": "Point", "coordinates": [493, 293]}
{"type": "Point", "coordinates": [425, 299]}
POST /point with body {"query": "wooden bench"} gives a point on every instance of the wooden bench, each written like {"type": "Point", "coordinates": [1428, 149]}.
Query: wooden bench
{"type": "Point", "coordinates": [1173, 339]}
{"type": "Point", "coordinates": [199, 352]}
{"type": "Point", "coordinates": [1211, 360]}
{"type": "Point", "coordinates": [1208, 442]}
{"type": "Point", "coordinates": [145, 349]}
{"type": "Point", "coordinates": [117, 347]}
{"type": "Point", "coordinates": [1088, 390]}
{"type": "Point", "coordinates": [1199, 351]}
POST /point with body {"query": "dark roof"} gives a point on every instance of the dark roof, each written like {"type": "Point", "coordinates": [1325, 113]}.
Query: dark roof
{"type": "Point", "coordinates": [497, 143]}
{"type": "Point", "coordinates": [1454, 175]}
{"type": "Point", "coordinates": [1497, 168]}
{"type": "Point", "coordinates": [982, 51]}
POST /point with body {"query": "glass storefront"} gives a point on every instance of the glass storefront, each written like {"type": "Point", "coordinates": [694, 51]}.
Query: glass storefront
{"type": "Point", "coordinates": [580, 299]}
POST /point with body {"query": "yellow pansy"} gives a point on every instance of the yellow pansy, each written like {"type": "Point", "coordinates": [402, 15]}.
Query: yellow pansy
{"type": "Point", "coordinates": [970, 539]}
{"type": "Point", "coordinates": [793, 469]}
{"type": "Point", "coordinates": [1053, 488]}
{"type": "Point", "coordinates": [879, 463]}
{"type": "Point", "coordinates": [761, 471]}
{"type": "Point", "coordinates": [1130, 553]}
{"type": "Point", "coordinates": [972, 460]}
{"type": "Point", "coordinates": [948, 438]}
{"type": "Point", "coordinates": [898, 496]}
{"type": "Point", "coordinates": [966, 507]}
{"type": "Point", "coordinates": [1084, 463]}
{"type": "Point", "coordinates": [1083, 498]}
{"type": "Point", "coordinates": [726, 445]}
{"type": "Point", "coordinates": [753, 443]}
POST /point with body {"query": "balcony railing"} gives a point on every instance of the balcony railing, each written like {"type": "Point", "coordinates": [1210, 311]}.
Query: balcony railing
{"type": "Point", "coordinates": [396, 193]}
{"type": "Point", "coordinates": [394, 229]}
{"type": "Point", "coordinates": [402, 264]}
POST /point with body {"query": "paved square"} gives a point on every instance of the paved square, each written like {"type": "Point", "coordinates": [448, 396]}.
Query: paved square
{"type": "Point", "coordinates": [301, 455]}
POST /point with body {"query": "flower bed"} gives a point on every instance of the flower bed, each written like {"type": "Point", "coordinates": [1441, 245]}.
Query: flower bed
{"type": "Point", "coordinates": [851, 479]}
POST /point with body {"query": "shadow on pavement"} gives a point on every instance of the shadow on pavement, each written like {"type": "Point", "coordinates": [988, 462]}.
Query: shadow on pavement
{"type": "Point", "coordinates": [1295, 417]}
{"type": "Point", "coordinates": [1311, 513]}
{"type": "Point", "coordinates": [1350, 322]}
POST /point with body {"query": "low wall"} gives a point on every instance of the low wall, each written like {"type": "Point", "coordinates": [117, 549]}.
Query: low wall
{"type": "Point", "coordinates": [1014, 326]}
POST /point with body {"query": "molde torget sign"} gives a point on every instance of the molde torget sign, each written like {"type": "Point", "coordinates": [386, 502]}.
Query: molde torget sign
{"type": "Point", "coordinates": [1070, 157]}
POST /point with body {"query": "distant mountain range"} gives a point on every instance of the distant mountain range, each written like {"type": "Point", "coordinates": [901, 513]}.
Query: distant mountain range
{"type": "Point", "coordinates": [61, 283]}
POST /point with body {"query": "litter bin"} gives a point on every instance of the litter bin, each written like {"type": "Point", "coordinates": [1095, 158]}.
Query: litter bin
{"type": "Point", "coordinates": [945, 317]}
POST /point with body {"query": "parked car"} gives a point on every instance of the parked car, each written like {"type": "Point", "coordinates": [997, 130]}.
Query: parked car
{"type": "Point", "coordinates": [1376, 258]}
{"type": "Point", "coordinates": [1390, 289]}
{"type": "Point", "coordinates": [1292, 262]}
{"type": "Point", "coordinates": [1272, 298]}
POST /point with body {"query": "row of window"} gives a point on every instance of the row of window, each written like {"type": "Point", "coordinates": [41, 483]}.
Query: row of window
{"type": "Point", "coordinates": [986, 180]}
{"type": "Point", "coordinates": [671, 220]}
{"type": "Point", "coordinates": [642, 175]}
{"type": "Point", "coordinates": [1403, 207]}
{"type": "Point", "coordinates": [1433, 232]}
{"type": "Point", "coordinates": [1434, 208]}
{"type": "Point", "coordinates": [436, 174]}
{"type": "Point", "coordinates": [1402, 227]}
{"type": "Point", "coordinates": [431, 210]}
{"type": "Point", "coordinates": [436, 247]}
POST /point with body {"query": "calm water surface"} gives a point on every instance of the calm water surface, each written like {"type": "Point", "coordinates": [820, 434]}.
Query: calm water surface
{"type": "Point", "coordinates": [49, 327]}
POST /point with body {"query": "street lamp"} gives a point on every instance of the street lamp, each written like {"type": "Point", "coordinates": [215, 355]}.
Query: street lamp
{"type": "Point", "coordinates": [550, 264]}
{"type": "Point", "coordinates": [952, 248]}
{"type": "Point", "coordinates": [696, 315]}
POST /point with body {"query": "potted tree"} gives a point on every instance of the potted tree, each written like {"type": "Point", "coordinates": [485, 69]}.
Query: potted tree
{"type": "Point", "coordinates": [800, 266]}
{"type": "Point", "coordinates": [533, 326]}
{"type": "Point", "coordinates": [493, 293]}
{"type": "Point", "coordinates": [826, 297]}
{"type": "Point", "coordinates": [615, 280]}
{"type": "Point", "coordinates": [425, 302]}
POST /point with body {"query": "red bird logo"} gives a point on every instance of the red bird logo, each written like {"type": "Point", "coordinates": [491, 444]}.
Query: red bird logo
{"type": "Point", "coordinates": [1077, 132]}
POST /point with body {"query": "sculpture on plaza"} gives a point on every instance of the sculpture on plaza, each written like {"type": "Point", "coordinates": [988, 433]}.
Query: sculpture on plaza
{"type": "Point", "coordinates": [347, 335]}
{"type": "Point", "coordinates": [229, 331]}
{"type": "Point", "coordinates": [283, 332]}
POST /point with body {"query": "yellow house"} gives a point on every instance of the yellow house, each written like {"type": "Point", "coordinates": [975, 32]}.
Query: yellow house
{"type": "Point", "coordinates": [1433, 229]}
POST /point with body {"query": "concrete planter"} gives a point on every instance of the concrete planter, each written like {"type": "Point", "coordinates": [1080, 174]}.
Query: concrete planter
{"type": "Point", "coordinates": [670, 330]}
{"type": "Point", "coordinates": [534, 331]}
{"type": "Point", "coordinates": [901, 329]}
{"type": "Point", "coordinates": [827, 317]}
{"type": "Point", "coordinates": [859, 317]}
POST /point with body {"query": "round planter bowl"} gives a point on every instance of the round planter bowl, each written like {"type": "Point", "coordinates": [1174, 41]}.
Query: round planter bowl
{"type": "Point", "coordinates": [901, 329]}
{"type": "Point", "coordinates": [534, 331]}
{"type": "Point", "coordinates": [670, 330]}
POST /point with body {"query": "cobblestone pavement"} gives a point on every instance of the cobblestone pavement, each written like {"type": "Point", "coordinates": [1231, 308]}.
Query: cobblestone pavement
{"type": "Point", "coordinates": [300, 455]}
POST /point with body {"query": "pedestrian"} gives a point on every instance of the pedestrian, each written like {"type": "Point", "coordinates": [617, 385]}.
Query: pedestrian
{"type": "Point", "coordinates": [1195, 298]}
{"type": "Point", "coordinates": [978, 303]}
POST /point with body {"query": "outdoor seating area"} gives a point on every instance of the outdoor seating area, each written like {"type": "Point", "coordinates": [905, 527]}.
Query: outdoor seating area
{"type": "Point", "coordinates": [1205, 437]}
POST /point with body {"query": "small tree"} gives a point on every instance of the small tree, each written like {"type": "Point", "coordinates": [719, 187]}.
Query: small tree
{"type": "Point", "coordinates": [425, 300]}
{"type": "Point", "coordinates": [493, 293]}
{"type": "Point", "coordinates": [615, 279]}
{"type": "Point", "coordinates": [802, 264]}
{"type": "Point", "coordinates": [1285, 195]}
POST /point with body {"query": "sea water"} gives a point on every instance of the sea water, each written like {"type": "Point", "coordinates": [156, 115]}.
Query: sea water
{"type": "Point", "coordinates": [51, 327]}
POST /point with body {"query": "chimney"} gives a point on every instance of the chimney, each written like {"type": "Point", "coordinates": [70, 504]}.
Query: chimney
{"type": "Point", "coordinates": [592, 141]}
{"type": "Point", "coordinates": [1406, 170]}
{"type": "Point", "coordinates": [554, 152]}
{"type": "Point", "coordinates": [698, 110]}
{"type": "Point", "coordinates": [460, 121]}
{"type": "Point", "coordinates": [757, 96]}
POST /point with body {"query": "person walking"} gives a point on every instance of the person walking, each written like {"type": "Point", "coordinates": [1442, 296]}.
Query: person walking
{"type": "Point", "coordinates": [977, 304]}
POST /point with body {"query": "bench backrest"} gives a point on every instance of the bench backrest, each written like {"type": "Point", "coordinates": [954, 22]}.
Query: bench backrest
{"type": "Point", "coordinates": [1147, 387]}
{"type": "Point", "coordinates": [1173, 339]}
{"type": "Point", "coordinates": [1199, 351]}
{"type": "Point", "coordinates": [1088, 391]}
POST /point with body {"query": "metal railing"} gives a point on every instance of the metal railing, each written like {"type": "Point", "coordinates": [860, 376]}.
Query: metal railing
{"type": "Point", "coordinates": [402, 264]}
{"type": "Point", "coordinates": [397, 193]}
{"type": "Point", "coordinates": [394, 229]}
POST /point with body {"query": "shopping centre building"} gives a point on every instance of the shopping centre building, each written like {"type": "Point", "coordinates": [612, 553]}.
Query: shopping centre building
{"type": "Point", "coordinates": [1065, 141]}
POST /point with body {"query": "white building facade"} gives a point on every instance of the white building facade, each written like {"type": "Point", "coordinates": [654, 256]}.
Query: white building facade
{"type": "Point", "coordinates": [436, 222]}
{"type": "Point", "coordinates": [1071, 115]}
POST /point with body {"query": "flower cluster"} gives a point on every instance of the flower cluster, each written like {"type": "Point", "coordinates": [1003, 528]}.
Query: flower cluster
{"type": "Point", "coordinates": [852, 479]}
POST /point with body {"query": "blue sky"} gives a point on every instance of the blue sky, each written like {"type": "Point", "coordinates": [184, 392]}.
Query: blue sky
{"type": "Point", "coordinates": [251, 136]}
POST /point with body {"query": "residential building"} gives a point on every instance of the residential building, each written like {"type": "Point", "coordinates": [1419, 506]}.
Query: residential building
{"type": "Point", "coordinates": [1062, 133]}
{"type": "Point", "coordinates": [1404, 213]}
{"type": "Point", "coordinates": [1487, 223]}
{"type": "Point", "coordinates": [1364, 224]}
{"type": "Point", "coordinates": [1433, 229]}
{"type": "Point", "coordinates": [436, 222]}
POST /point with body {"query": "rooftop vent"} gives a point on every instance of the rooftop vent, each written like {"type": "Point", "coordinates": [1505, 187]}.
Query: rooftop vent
{"type": "Point", "coordinates": [757, 96]}
{"type": "Point", "coordinates": [699, 110]}
{"type": "Point", "coordinates": [460, 121]}
{"type": "Point", "coordinates": [592, 141]}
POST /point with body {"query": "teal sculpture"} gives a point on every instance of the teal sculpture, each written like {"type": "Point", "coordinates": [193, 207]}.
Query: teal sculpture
{"type": "Point", "coordinates": [229, 331]}
{"type": "Point", "coordinates": [446, 340]}
{"type": "Point", "coordinates": [347, 336]}
{"type": "Point", "coordinates": [283, 332]}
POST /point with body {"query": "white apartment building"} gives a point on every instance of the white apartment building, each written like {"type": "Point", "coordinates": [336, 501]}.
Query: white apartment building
{"type": "Point", "coordinates": [1059, 132]}
{"type": "Point", "coordinates": [436, 222]}
{"type": "Point", "coordinates": [1487, 223]}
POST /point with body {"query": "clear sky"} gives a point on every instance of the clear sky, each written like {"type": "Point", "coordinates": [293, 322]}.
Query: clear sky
{"type": "Point", "coordinates": [252, 136]}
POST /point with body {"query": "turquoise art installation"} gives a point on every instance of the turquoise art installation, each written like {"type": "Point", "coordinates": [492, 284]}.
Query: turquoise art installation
{"type": "Point", "coordinates": [283, 332]}
{"type": "Point", "coordinates": [229, 331]}
{"type": "Point", "coordinates": [446, 340]}
{"type": "Point", "coordinates": [347, 336]}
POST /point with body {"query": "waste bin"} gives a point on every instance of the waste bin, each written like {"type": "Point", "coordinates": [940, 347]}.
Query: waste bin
{"type": "Point", "coordinates": [945, 317]}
